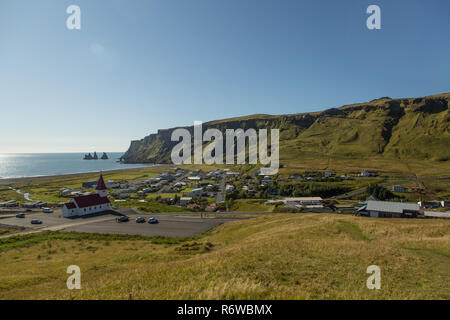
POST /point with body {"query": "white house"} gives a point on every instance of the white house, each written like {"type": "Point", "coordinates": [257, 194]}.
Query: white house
{"type": "Point", "coordinates": [229, 188]}
{"type": "Point", "coordinates": [88, 204]}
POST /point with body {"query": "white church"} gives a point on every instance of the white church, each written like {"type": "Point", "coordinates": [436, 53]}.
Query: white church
{"type": "Point", "coordinates": [84, 205]}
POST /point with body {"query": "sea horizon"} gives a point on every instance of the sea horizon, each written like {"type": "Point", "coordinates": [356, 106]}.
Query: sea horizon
{"type": "Point", "coordinates": [30, 165]}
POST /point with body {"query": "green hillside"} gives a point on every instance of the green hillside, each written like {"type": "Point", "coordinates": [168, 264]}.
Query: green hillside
{"type": "Point", "coordinates": [403, 129]}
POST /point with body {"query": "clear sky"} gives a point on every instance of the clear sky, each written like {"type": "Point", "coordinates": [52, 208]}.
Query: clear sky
{"type": "Point", "coordinates": [137, 66]}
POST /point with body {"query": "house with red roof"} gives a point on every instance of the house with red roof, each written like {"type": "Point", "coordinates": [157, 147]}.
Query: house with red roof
{"type": "Point", "coordinates": [88, 204]}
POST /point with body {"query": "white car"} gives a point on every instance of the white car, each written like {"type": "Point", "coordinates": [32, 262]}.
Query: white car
{"type": "Point", "coordinates": [47, 210]}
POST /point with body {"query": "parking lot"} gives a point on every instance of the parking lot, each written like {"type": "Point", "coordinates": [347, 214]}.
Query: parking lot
{"type": "Point", "coordinates": [170, 224]}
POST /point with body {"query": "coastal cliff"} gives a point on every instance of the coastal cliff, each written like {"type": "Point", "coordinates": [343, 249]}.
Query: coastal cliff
{"type": "Point", "coordinates": [409, 128]}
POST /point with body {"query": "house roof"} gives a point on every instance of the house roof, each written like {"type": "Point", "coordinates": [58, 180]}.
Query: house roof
{"type": "Point", "coordinates": [101, 184]}
{"type": "Point", "coordinates": [70, 205]}
{"type": "Point", "coordinates": [395, 207]}
{"type": "Point", "coordinates": [303, 199]}
{"type": "Point", "coordinates": [90, 200]}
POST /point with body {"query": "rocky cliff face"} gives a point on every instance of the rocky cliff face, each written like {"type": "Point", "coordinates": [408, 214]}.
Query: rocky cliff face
{"type": "Point", "coordinates": [413, 128]}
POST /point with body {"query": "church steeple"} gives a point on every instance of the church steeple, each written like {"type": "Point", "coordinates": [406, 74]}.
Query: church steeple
{"type": "Point", "coordinates": [101, 187]}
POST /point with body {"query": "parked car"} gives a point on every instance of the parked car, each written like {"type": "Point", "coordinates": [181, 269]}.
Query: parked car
{"type": "Point", "coordinates": [122, 219]}
{"type": "Point", "coordinates": [28, 210]}
{"type": "Point", "coordinates": [20, 215]}
{"type": "Point", "coordinates": [47, 210]}
{"type": "Point", "coordinates": [36, 221]}
{"type": "Point", "coordinates": [153, 220]}
{"type": "Point", "coordinates": [140, 220]}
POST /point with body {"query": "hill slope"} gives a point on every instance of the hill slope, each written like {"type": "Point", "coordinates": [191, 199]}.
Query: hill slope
{"type": "Point", "coordinates": [408, 129]}
{"type": "Point", "coordinates": [296, 256]}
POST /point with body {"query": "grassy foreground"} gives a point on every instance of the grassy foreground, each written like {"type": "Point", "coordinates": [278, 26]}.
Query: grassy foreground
{"type": "Point", "coordinates": [277, 256]}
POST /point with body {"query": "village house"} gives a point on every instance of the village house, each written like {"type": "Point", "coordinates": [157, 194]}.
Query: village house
{"type": "Point", "coordinates": [297, 176]}
{"type": "Point", "coordinates": [89, 184]}
{"type": "Point", "coordinates": [35, 204]}
{"type": "Point", "coordinates": [232, 174]}
{"type": "Point", "coordinates": [88, 204]}
{"type": "Point", "coordinates": [185, 200]}
{"type": "Point", "coordinates": [365, 173]}
{"type": "Point", "coordinates": [433, 204]}
{"type": "Point", "coordinates": [166, 176]}
{"type": "Point", "coordinates": [9, 204]}
{"type": "Point", "coordinates": [198, 192]}
{"type": "Point", "coordinates": [229, 188]}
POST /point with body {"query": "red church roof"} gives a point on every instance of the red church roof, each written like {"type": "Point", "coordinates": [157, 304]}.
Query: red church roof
{"type": "Point", "coordinates": [101, 184]}
{"type": "Point", "coordinates": [70, 205]}
{"type": "Point", "coordinates": [90, 200]}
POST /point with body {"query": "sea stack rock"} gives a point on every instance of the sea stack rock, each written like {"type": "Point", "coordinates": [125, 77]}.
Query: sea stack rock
{"type": "Point", "coordinates": [95, 156]}
{"type": "Point", "coordinates": [87, 156]}
{"type": "Point", "coordinates": [104, 156]}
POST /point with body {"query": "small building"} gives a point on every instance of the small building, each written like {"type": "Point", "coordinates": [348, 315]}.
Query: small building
{"type": "Point", "coordinates": [35, 204]}
{"type": "Point", "coordinates": [198, 192]}
{"type": "Point", "coordinates": [365, 173]}
{"type": "Point", "coordinates": [229, 188]}
{"type": "Point", "coordinates": [433, 204]}
{"type": "Point", "coordinates": [232, 174]}
{"type": "Point", "coordinates": [179, 184]}
{"type": "Point", "coordinates": [88, 204]}
{"type": "Point", "coordinates": [211, 207]}
{"type": "Point", "coordinates": [398, 188]}
{"type": "Point", "coordinates": [89, 184]}
{"type": "Point", "coordinates": [304, 201]}
{"type": "Point", "coordinates": [112, 184]}
{"type": "Point", "coordinates": [267, 180]}
{"type": "Point", "coordinates": [167, 176]}
{"type": "Point", "coordinates": [9, 204]}
{"type": "Point", "coordinates": [194, 178]}
{"type": "Point", "coordinates": [185, 200]}
{"type": "Point", "coordinates": [297, 176]}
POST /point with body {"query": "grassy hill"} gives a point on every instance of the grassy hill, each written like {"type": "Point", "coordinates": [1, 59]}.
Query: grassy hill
{"type": "Point", "coordinates": [281, 256]}
{"type": "Point", "coordinates": [413, 129]}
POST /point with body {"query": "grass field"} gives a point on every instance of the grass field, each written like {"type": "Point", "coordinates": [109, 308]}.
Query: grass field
{"type": "Point", "coordinates": [289, 256]}
{"type": "Point", "coordinates": [251, 205]}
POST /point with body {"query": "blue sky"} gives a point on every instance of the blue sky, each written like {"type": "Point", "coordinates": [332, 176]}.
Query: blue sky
{"type": "Point", "coordinates": [137, 66]}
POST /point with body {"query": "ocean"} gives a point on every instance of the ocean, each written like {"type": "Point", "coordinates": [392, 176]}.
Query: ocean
{"type": "Point", "coordinates": [46, 164]}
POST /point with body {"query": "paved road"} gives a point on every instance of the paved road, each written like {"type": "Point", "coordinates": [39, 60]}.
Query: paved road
{"type": "Point", "coordinates": [220, 196]}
